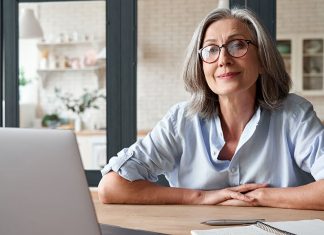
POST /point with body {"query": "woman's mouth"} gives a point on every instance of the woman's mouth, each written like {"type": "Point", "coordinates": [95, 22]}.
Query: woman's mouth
{"type": "Point", "coordinates": [228, 75]}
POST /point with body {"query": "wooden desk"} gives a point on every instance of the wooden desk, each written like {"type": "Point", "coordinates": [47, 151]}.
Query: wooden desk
{"type": "Point", "coordinates": [180, 220]}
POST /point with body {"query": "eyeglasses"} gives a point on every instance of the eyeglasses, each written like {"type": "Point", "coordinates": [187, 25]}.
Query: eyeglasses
{"type": "Point", "coordinates": [235, 48]}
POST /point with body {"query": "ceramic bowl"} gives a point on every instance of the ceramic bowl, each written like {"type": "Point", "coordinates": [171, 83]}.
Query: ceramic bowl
{"type": "Point", "coordinates": [313, 46]}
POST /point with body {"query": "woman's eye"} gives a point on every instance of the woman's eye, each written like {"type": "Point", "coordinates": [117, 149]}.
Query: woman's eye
{"type": "Point", "coordinates": [237, 45]}
{"type": "Point", "coordinates": [213, 49]}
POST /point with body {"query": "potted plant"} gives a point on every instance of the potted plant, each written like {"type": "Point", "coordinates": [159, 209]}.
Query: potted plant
{"type": "Point", "coordinates": [23, 83]}
{"type": "Point", "coordinates": [51, 120]}
{"type": "Point", "coordinates": [87, 100]}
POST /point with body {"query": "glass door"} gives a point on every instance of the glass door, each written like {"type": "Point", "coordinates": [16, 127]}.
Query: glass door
{"type": "Point", "coordinates": [62, 72]}
{"type": "Point", "coordinates": [66, 62]}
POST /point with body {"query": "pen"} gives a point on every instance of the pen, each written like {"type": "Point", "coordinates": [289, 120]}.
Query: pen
{"type": "Point", "coordinates": [227, 222]}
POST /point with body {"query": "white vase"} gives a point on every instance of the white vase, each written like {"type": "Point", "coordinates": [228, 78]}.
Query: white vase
{"type": "Point", "coordinates": [77, 124]}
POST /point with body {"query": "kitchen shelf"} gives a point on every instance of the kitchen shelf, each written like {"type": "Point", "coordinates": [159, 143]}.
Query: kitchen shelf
{"type": "Point", "coordinates": [73, 43]}
{"type": "Point", "coordinates": [313, 55]}
{"type": "Point", "coordinates": [313, 75]}
{"type": "Point", "coordinates": [286, 55]}
{"type": "Point", "coordinates": [89, 68]}
{"type": "Point", "coordinates": [99, 70]}
{"type": "Point", "coordinates": [69, 58]}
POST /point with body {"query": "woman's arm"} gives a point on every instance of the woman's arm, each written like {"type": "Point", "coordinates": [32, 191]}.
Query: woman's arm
{"type": "Point", "coordinates": [115, 189]}
{"type": "Point", "coordinates": [309, 196]}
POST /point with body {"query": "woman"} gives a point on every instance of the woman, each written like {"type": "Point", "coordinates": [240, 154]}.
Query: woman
{"type": "Point", "coordinates": [242, 139]}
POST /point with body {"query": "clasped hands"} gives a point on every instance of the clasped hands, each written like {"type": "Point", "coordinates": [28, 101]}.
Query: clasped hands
{"type": "Point", "coordinates": [242, 195]}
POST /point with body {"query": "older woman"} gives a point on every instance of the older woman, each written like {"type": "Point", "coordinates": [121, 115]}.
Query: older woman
{"type": "Point", "coordinates": [241, 140]}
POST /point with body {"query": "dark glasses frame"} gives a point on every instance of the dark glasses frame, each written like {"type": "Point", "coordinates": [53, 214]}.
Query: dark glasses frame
{"type": "Point", "coordinates": [248, 42]}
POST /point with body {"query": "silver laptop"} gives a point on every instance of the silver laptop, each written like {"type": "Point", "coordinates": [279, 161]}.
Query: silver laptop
{"type": "Point", "coordinates": [43, 185]}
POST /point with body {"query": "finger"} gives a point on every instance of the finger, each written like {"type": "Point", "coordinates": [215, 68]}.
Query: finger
{"type": "Point", "coordinates": [248, 187]}
{"type": "Point", "coordinates": [235, 202]}
{"type": "Point", "coordinates": [240, 196]}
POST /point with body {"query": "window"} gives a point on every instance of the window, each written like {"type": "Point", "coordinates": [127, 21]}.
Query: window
{"type": "Point", "coordinates": [68, 54]}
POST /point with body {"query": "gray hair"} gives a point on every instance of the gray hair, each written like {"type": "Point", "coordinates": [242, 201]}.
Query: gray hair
{"type": "Point", "coordinates": [272, 86]}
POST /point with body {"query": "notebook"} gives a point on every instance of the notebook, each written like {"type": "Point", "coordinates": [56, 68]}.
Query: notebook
{"type": "Point", "coordinates": [301, 227]}
{"type": "Point", "coordinates": [43, 186]}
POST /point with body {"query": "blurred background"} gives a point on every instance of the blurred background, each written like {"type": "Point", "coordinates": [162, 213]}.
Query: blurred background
{"type": "Point", "coordinates": [62, 62]}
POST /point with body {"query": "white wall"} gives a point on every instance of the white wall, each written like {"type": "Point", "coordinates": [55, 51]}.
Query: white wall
{"type": "Point", "coordinates": [165, 28]}
{"type": "Point", "coordinates": [300, 16]}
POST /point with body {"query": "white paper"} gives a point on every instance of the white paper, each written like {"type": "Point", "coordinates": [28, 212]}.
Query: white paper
{"type": "Point", "coordinates": [246, 230]}
{"type": "Point", "coordinates": [301, 227]}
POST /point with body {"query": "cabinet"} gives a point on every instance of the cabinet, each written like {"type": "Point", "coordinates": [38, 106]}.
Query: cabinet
{"type": "Point", "coordinates": [71, 57]}
{"type": "Point", "coordinates": [312, 61]}
{"type": "Point", "coordinates": [303, 57]}
{"type": "Point", "coordinates": [92, 146]}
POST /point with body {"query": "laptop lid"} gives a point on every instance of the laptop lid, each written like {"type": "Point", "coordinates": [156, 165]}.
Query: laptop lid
{"type": "Point", "coordinates": [43, 185]}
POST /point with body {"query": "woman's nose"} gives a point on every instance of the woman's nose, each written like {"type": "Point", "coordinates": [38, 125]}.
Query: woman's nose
{"type": "Point", "coordinates": [224, 57]}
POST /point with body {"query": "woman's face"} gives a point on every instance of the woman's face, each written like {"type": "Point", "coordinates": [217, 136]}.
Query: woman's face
{"type": "Point", "coordinates": [230, 76]}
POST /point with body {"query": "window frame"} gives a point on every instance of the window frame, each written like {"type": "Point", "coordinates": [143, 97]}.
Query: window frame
{"type": "Point", "coordinates": [265, 9]}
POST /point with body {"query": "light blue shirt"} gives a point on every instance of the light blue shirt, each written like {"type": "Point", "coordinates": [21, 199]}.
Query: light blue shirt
{"type": "Point", "coordinates": [284, 147]}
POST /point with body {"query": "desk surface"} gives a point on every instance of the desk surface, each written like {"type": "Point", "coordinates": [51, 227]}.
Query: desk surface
{"type": "Point", "coordinates": [179, 219]}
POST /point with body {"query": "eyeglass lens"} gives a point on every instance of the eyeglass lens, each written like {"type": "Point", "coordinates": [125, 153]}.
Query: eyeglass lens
{"type": "Point", "coordinates": [235, 48]}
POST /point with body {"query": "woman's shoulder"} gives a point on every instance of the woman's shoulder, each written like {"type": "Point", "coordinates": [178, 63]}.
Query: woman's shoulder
{"type": "Point", "coordinates": [179, 113]}
{"type": "Point", "coordinates": [293, 98]}
{"type": "Point", "coordinates": [294, 105]}
{"type": "Point", "coordinates": [178, 109]}
{"type": "Point", "coordinates": [294, 101]}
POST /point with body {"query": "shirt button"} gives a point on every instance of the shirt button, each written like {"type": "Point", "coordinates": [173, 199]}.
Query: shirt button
{"type": "Point", "coordinates": [214, 153]}
{"type": "Point", "coordinates": [129, 153]}
{"type": "Point", "coordinates": [233, 169]}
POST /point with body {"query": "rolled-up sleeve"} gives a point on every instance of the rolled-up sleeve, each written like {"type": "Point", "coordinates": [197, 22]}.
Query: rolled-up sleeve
{"type": "Point", "coordinates": [155, 154]}
{"type": "Point", "coordinates": [116, 162]}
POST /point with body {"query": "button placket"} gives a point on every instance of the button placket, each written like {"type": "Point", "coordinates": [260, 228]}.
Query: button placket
{"type": "Point", "coordinates": [214, 154]}
{"type": "Point", "coordinates": [233, 169]}
{"type": "Point", "coordinates": [234, 176]}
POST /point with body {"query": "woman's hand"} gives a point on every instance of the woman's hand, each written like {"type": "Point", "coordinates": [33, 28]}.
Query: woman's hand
{"type": "Point", "coordinates": [234, 195]}
{"type": "Point", "coordinates": [307, 196]}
